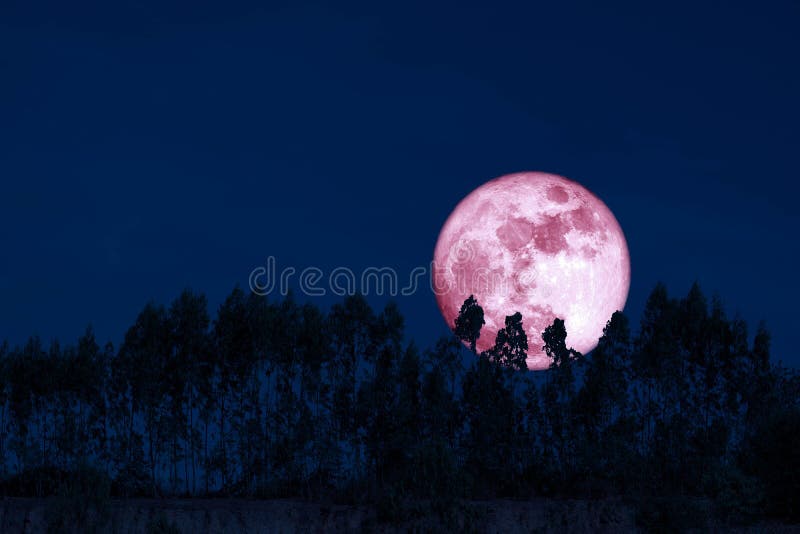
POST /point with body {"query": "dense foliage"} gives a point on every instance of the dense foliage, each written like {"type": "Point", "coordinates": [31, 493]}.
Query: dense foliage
{"type": "Point", "coordinates": [276, 399]}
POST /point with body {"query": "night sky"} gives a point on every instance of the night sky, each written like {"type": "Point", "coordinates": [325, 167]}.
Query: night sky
{"type": "Point", "coordinates": [149, 148]}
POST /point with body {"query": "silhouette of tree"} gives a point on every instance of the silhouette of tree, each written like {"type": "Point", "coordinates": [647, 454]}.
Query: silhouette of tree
{"type": "Point", "coordinates": [446, 369]}
{"type": "Point", "coordinates": [559, 401]}
{"type": "Point", "coordinates": [352, 327]}
{"type": "Point", "coordinates": [190, 359]}
{"type": "Point", "coordinates": [603, 408]}
{"type": "Point", "coordinates": [511, 345]}
{"type": "Point", "coordinates": [469, 322]}
{"type": "Point", "coordinates": [281, 399]}
{"type": "Point", "coordinates": [142, 364]}
{"type": "Point", "coordinates": [237, 356]}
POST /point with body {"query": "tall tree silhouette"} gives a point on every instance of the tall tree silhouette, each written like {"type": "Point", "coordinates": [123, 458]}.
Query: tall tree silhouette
{"type": "Point", "coordinates": [559, 400]}
{"type": "Point", "coordinates": [511, 344]}
{"type": "Point", "coordinates": [237, 357]}
{"type": "Point", "coordinates": [190, 359]}
{"type": "Point", "coordinates": [603, 408]}
{"type": "Point", "coordinates": [352, 327]}
{"type": "Point", "coordinates": [141, 366]}
{"type": "Point", "coordinates": [469, 322]}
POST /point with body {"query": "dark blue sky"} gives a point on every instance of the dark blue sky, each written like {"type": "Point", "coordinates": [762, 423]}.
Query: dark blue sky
{"type": "Point", "coordinates": [147, 148]}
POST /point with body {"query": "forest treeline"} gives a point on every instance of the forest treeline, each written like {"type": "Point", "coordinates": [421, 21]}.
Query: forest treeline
{"type": "Point", "coordinates": [281, 399]}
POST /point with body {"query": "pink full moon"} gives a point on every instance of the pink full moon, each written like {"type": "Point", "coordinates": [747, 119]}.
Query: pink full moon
{"type": "Point", "coordinates": [538, 244]}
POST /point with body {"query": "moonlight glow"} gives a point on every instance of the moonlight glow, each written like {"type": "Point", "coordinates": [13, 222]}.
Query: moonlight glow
{"type": "Point", "coordinates": [538, 244]}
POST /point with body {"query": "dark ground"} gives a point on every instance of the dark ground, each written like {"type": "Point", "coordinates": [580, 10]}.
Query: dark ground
{"type": "Point", "coordinates": [197, 516]}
